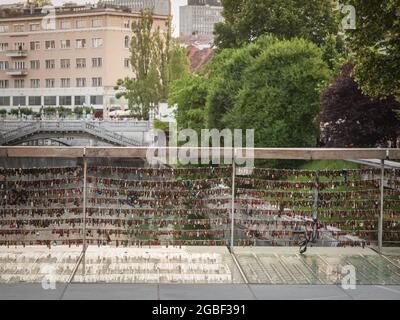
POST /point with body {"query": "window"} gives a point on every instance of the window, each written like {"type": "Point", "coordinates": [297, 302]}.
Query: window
{"type": "Point", "coordinates": [126, 63]}
{"type": "Point", "coordinates": [97, 23]}
{"type": "Point", "coordinates": [35, 64]}
{"type": "Point", "coordinates": [19, 83]}
{"type": "Point", "coordinates": [19, 101]}
{"type": "Point", "coordinates": [80, 100]}
{"type": "Point", "coordinates": [80, 43]}
{"type": "Point", "coordinates": [4, 84]}
{"type": "Point", "coordinates": [65, 82]}
{"type": "Point", "coordinates": [81, 24]}
{"type": "Point", "coordinates": [80, 82]}
{"type": "Point", "coordinates": [51, 44]}
{"type": "Point", "coordinates": [96, 82]}
{"type": "Point", "coordinates": [50, 83]}
{"type": "Point", "coordinates": [127, 24]}
{"type": "Point", "coordinates": [3, 65]}
{"type": "Point", "coordinates": [4, 28]}
{"type": "Point", "coordinates": [3, 46]}
{"type": "Point", "coordinates": [126, 42]}
{"type": "Point", "coordinates": [50, 100]}
{"type": "Point", "coordinates": [96, 100]}
{"type": "Point", "coordinates": [65, 63]}
{"type": "Point", "coordinates": [35, 45]}
{"type": "Point", "coordinates": [50, 64]}
{"type": "Point", "coordinates": [65, 25]}
{"type": "Point", "coordinates": [97, 42]}
{"type": "Point", "coordinates": [65, 44]}
{"type": "Point", "coordinates": [19, 27]}
{"type": "Point", "coordinates": [35, 83]}
{"type": "Point", "coordinates": [19, 65]}
{"type": "Point", "coordinates": [4, 101]}
{"type": "Point", "coordinates": [35, 101]}
{"type": "Point", "coordinates": [97, 62]}
{"type": "Point", "coordinates": [65, 100]}
{"type": "Point", "coordinates": [34, 27]}
{"type": "Point", "coordinates": [81, 63]}
{"type": "Point", "coordinates": [19, 46]}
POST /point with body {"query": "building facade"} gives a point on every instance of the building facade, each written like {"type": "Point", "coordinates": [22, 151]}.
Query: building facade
{"type": "Point", "coordinates": [204, 2]}
{"type": "Point", "coordinates": [199, 19]}
{"type": "Point", "coordinates": [72, 57]}
{"type": "Point", "coordinates": [161, 7]}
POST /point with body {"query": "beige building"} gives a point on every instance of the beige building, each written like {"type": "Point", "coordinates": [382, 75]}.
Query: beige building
{"type": "Point", "coordinates": [69, 56]}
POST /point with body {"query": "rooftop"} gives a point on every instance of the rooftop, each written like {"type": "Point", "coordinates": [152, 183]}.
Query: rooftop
{"type": "Point", "coordinates": [24, 11]}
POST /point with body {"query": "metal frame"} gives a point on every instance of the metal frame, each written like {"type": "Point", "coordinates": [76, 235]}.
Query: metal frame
{"type": "Point", "coordinates": [256, 153]}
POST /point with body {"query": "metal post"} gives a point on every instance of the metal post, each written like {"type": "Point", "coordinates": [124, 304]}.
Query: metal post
{"type": "Point", "coordinates": [233, 201]}
{"type": "Point", "coordinates": [84, 214]}
{"type": "Point", "coordinates": [380, 222]}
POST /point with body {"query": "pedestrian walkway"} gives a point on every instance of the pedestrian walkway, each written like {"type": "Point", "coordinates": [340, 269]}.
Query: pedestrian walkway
{"type": "Point", "coordinates": [197, 265]}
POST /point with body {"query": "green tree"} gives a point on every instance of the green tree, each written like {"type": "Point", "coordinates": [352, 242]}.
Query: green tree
{"type": "Point", "coordinates": [280, 95]}
{"type": "Point", "coordinates": [39, 3]}
{"type": "Point", "coordinates": [189, 95]}
{"type": "Point", "coordinates": [246, 20]}
{"type": "Point", "coordinates": [376, 47]}
{"type": "Point", "coordinates": [225, 72]}
{"type": "Point", "coordinates": [178, 64]}
{"type": "Point", "coordinates": [149, 49]}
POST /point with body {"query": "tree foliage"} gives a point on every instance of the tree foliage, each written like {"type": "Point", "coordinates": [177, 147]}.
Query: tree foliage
{"type": "Point", "coordinates": [150, 51]}
{"type": "Point", "coordinates": [280, 94]}
{"type": "Point", "coordinates": [352, 118]}
{"type": "Point", "coordinates": [189, 94]}
{"type": "Point", "coordinates": [246, 20]}
{"type": "Point", "coordinates": [178, 64]}
{"type": "Point", "coordinates": [376, 47]}
{"type": "Point", "coordinates": [40, 3]}
{"type": "Point", "coordinates": [225, 77]}
{"type": "Point", "coordinates": [271, 86]}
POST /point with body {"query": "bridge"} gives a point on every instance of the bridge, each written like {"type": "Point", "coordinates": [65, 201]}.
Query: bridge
{"type": "Point", "coordinates": [125, 134]}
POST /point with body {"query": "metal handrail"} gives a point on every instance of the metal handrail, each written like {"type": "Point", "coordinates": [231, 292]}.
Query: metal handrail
{"type": "Point", "coordinates": [259, 153]}
{"type": "Point", "coordinates": [60, 126]}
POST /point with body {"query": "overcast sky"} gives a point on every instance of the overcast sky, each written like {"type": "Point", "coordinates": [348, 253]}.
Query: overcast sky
{"type": "Point", "coordinates": [175, 8]}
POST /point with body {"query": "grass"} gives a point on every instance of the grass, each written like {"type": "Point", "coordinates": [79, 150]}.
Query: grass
{"type": "Point", "coordinates": [329, 165]}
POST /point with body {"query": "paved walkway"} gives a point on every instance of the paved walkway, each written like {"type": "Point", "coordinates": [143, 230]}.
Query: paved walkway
{"type": "Point", "coordinates": [197, 292]}
{"type": "Point", "coordinates": [198, 273]}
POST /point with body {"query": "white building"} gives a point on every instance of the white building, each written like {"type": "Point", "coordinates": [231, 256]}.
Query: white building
{"type": "Point", "coordinates": [199, 19]}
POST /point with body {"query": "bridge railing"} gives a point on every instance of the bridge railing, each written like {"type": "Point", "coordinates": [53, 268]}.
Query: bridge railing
{"type": "Point", "coordinates": [233, 186]}
{"type": "Point", "coordinates": [30, 127]}
{"type": "Point", "coordinates": [19, 132]}
{"type": "Point", "coordinates": [116, 126]}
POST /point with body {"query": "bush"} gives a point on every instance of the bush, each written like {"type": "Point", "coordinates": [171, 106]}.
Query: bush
{"type": "Point", "coordinates": [24, 111]}
{"type": "Point", "coordinates": [161, 125]}
{"type": "Point", "coordinates": [78, 110]}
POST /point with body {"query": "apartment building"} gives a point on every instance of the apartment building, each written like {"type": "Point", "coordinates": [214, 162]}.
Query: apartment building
{"type": "Point", "coordinates": [71, 57]}
{"type": "Point", "coordinates": [160, 7]}
{"type": "Point", "coordinates": [199, 17]}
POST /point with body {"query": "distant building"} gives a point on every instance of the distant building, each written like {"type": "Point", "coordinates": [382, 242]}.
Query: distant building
{"type": "Point", "coordinates": [199, 17]}
{"type": "Point", "coordinates": [159, 7]}
{"type": "Point", "coordinates": [204, 2]}
{"type": "Point", "coordinates": [75, 59]}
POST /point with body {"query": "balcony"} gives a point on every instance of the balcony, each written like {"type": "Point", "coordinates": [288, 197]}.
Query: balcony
{"type": "Point", "coordinates": [17, 72]}
{"type": "Point", "coordinates": [17, 53]}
